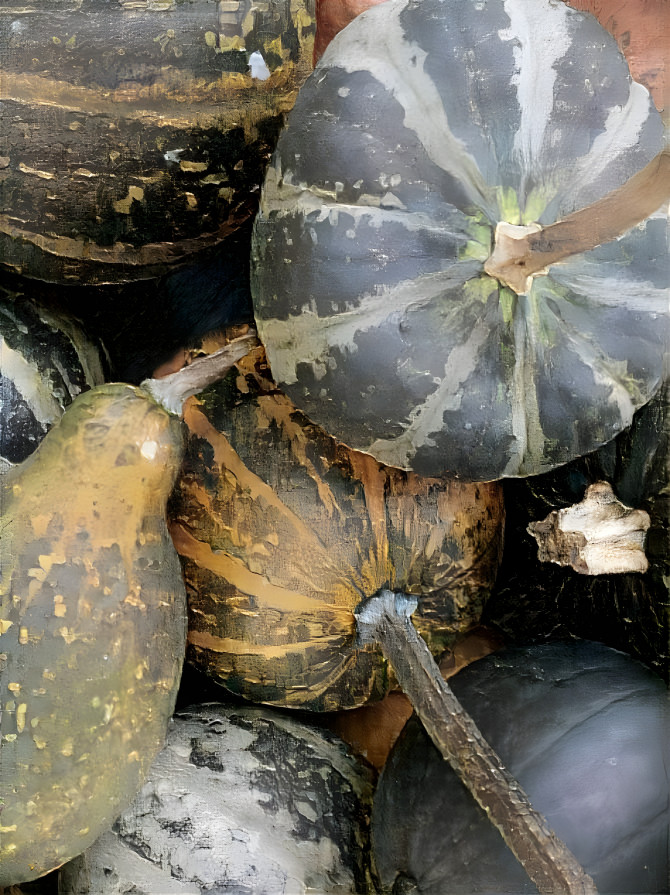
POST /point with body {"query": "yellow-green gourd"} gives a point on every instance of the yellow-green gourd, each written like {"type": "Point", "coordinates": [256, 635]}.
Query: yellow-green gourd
{"type": "Point", "coordinates": [92, 624]}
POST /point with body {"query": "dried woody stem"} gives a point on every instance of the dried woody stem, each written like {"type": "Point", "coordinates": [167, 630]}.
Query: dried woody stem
{"type": "Point", "coordinates": [171, 391]}
{"type": "Point", "coordinates": [385, 620]}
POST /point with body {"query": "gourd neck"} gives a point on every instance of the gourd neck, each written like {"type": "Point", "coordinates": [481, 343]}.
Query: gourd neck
{"type": "Point", "coordinates": [521, 253]}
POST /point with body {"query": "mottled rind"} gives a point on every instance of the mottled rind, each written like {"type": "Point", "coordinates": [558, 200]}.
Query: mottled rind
{"type": "Point", "coordinates": [93, 625]}
{"type": "Point", "coordinates": [283, 531]}
{"type": "Point", "coordinates": [240, 800]}
{"type": "Point", "coordinates": [381, 321]}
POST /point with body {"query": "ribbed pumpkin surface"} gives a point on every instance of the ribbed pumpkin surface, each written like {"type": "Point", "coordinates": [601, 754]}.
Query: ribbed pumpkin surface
{"type": "Point", "coordinates": [424, 126]}
{"type": "Point", "coordinates": [283, 531]}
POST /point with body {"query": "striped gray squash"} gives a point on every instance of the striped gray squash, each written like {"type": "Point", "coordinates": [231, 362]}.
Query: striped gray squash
{"type": "Point", "coordinates": [46, 360]}
{"type": "Point", "coordinates": [426, 123]}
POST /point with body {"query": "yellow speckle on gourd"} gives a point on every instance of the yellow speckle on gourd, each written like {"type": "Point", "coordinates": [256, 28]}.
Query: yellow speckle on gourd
{"type": "Point", "coordinates": [21, 717]}
{"type": "Point", "coordinates": [23, 636]}
{"type": "Point", "coordinates": [40, 743]}
{"type": "Point", "coordinates": [47, 560]}
{"type": "Point", "coordinates": [60, 609]}
{"type": "Point", "coordinates": [14, 687]}
{"type": "Point", "coordinates": [9, 829]}
{"type": "Point", "coordinates": [68, 748]}
{"type": "Point", "coordinates": [135, 193]}
{"type": "Point", "coordinates": [5, 625]}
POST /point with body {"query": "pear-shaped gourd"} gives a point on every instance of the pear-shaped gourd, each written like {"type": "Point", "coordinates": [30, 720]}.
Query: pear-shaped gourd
{"type": "Point", "coordinates": [92, 624]}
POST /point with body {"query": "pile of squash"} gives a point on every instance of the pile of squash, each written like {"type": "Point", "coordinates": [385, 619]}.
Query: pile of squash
{"type": "Point", "coordinates": [241, 527]}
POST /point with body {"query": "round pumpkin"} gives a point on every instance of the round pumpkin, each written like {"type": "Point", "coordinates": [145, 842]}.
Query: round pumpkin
{"type": "Point", "coordinates": [46, 360]}
{"type": "Point", "coordinates": [584, 729]}
{"type": "Point", "coordinates": [239, 800]}
{"type": "Point", "coordinates": [135, 132]}
{"type": "Point", "coordinates": [283, 531]}
{"type": "Point", "coordinates": [443, 120]}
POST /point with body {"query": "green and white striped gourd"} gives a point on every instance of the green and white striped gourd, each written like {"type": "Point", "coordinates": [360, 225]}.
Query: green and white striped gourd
{"type": "Point", "coordinates": [425, 125]}
{"type": "Point", "coordinates": [46, 360]}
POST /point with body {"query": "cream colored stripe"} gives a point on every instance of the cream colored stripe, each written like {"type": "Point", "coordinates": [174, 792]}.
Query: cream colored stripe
{"type": "Point", "coordinates": [233, 570]}
{"type": "Point", "coordinates": [234, 647]}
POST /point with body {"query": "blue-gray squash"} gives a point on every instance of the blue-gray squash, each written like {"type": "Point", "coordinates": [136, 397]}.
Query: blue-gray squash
{"type": "Point", "coordinates": [584, 729]}
{"type": "Point", "coordinates": [427, 130]}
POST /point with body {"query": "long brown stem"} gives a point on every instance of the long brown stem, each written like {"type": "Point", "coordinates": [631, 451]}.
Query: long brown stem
{"type": "Point", "coordinates": [385, 619]}
{"type": "Point", "coordinates": [522, 252]}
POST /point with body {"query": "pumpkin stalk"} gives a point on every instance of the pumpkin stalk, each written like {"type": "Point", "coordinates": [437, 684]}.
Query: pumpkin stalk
{"type": "Point", "coordinates": [385, 620]}
{"type": "Point", "coordinates": [171, 391]}
{"type": "Point", "coordinates": [522, 252]}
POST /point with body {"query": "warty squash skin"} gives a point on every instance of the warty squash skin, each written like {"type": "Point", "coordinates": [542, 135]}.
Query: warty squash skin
{"type": "Point", "coordinates": [283, 531]}
{"type": "Point", "coordinates": [92, 624]}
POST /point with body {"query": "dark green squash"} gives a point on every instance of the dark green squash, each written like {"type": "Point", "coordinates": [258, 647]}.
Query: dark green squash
{"type": "Point", "coordinates": [584, 729]}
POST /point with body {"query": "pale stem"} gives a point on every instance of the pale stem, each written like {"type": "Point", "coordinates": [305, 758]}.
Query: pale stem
{"type": "Point", "coordinates": [521, 252]}
{"type": "Point", "coordinates": [385, 620]}
{"type": "Point", "coordinates": [171, 391]}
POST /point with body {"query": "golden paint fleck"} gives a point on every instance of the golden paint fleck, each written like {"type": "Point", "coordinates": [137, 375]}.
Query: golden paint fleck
{"type": "Point", "coordinates": [68, 748]}
{"type": "Point", "coordinates": [60, 609]}
{"type": "Point", "coordinates": [49, 675]}
{"type": "Point", "coordinates": [21, 717]}
{"type": "Point", "coordinates": [23, 636]}
{"type": "Point", "coordinates": [10, 737]}
{"type": "Point", "coordinates": [194, 167]}
{"type": "Point", "coordinates": [40, 743]}
{"type": "Point", "coordinates": [135, 194]}
{"type": "Point", "coordinates": [134, 756]}
{"type": "Point", "coordinates": [5, 625]}
{"type": "Point", "coordinates": [14, 687]}
{"type": "Point", "coordinates": [43, 175]}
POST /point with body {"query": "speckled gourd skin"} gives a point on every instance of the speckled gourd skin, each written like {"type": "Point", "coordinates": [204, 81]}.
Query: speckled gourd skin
{"type": "Point", "coordinates": [93, 625]}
